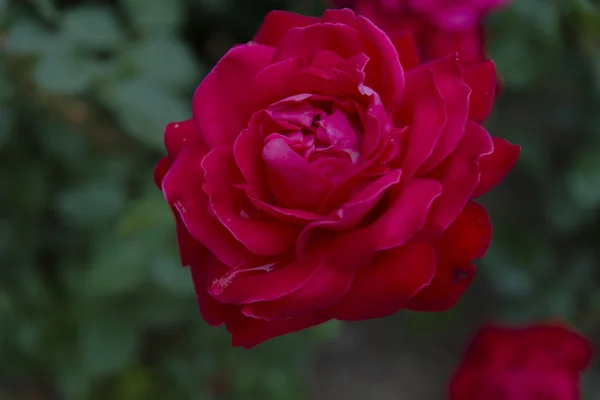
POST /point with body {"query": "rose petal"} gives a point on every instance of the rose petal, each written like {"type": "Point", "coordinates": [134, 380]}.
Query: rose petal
{"type": "Point", "coordinates": [468, 44]}
{"type": "Point", "coordinates": [326, 287]}
{"type": "Point", "coordinates": [213, 312]}
{"type": "Point", "coordinates": [495, 166]}
{"type": "Point", "coordinates": [217, 104]}
{"type": "Point", "coordinates": [459, 176]}
{"type": "Point", "coordinates": [247, 151]}
{"type": "Point", "coordinates": [468, 237]}
{"type": "Point", "coordinates": [384, 73]}
{"type": "Point", "coordinates": [185, 242]}
{"type": "Point", "coordinates": [401, 221]}
{"type": "Point", "coordinates": [351, 212]}
{"type": "Point", "coordinates": [249, 332]}
{"type": "Point", "coordinates": [481, 78]}
{"type": "Point", "coordinates": [425, 110]}
{"type": "Point", "coordinates": [277, 23]}
{"type": "Point", "coordinates": [177, 134]}
{"type": "Point", "coordinates": [310, 40]}
{"type": "Point", "coordinates": [293, 181]}
{"type": "Point", "coordinates": [264, 236]}
{"type": "Point", "coordinates": [406, 47]}
{"type": "Point", "coordinates": [161, 169]}
{"type": "Point", "coordinates": [267, 280]}
{"type": "Point", "coordinates": [378, 126]}
{"type": "Point", "coordinates": [182, 186]}
{"type": "Point", "coordinates": [388, 284]}
{"type": "Point", "coordinates": [455, 95]}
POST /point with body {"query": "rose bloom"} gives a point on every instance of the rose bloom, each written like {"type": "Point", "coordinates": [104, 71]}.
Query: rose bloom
{"type": "Point", "coordinates": [326, 174]}
{"type": "Point", "coordinates": [537, 362]}
{"type": "Point", "coordinates": [440, 27]}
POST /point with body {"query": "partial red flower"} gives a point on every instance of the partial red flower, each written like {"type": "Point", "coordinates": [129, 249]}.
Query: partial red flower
{"type": "Point", "coordinates": [527, 363]}
{"type": "Point", "coordinates": [326, 174]}
{"type": "Point", "coordinates": [440, 27]}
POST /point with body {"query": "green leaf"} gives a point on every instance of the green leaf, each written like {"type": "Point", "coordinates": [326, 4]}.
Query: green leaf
{"type": "Point", "coordinates": [168, 274]}
{"type": "Point", "coordinates": [154, 15]}
{"type": "Point", "coordinates": [25, 36]}
{"type": "Point", "coordinates": [3, 6]}
{"type": "Point", "coordinates": [91, 26]}
{"type": "Point", "coordinates": [108, 341]}
{"type": "Point", "coordinates": [62, 70]}
{"type": "Point", "coordinates": [95, 202]}
{"type": "Point", "coordinates": [6, 122]}
{"type": "Point", "coordinates": [583, 179]}
{"type": "Point", "coordinates": [542, 15]}
{"type": "Point", "coordinates": [147, 212]}
{"type": "Point", "coordinates": [46, 8]}
{"type": "Point", "coordinates": [117, 267]}
{"type": "Point", "coordinates": [144, 109]}
{"type": "Point", "coordinates": [164, 60]}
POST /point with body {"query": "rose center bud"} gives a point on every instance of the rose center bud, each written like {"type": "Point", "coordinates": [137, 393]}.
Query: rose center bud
{"type": "Point", "coordinates": [312, 142]}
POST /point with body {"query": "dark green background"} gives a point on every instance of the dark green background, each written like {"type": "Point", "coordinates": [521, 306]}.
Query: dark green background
{"type": "Point", "coordinates": [93, 303]}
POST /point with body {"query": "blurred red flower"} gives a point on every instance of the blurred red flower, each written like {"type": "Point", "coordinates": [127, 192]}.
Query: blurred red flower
{"type": "Point", "coordinates": [440, 27]}
{"type": "Point", "coordinates": [537, 362]}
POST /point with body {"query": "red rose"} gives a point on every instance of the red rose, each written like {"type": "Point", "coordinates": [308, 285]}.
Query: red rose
{"type": "Point", "coordinates": [325, 174]}
{"type": "Point", "coordinates": [440, 27]}
{"type": "Point", "coordinates": [538, 362]}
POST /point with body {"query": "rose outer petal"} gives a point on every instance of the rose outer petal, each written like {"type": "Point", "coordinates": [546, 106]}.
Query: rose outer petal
{"type": "Point", "coordinates": [178, 134]}
{"type": "Point", "coordinates": [482, 79]}
{"type": "Point", "coordinates": [277, 23]}
{"type": "Point", "coordinates": [217, 101]}
{"type": "Point", "coordinates": [248, 332]}
{"type": "Point", "coordinates": [456, 96]}
{"type": "Point", "coordinates": [425, 111]}
{"type": "Point", "coordinates": [495, 166]}
{"type": "Point", "coordinates": [182, 187]}
{"type": "Point", "coordinates": [384, 60]}
{"type": "Point", "coordinates": [403, 219]}
{"type": "Point", "coordinates": [388, 284]}
{"type": "Point", "coordinates": [263, 236]}
{"type": "Point", "coordinates": [459, 176]}
{"type": "Point", "coordinates": [326, 287]}
{"type": "Point", "coordinates": [185, 242]}
{"type": "Point", "coordinates": [265, 279]}
{"type": "Point", "coordinates": [468, 237]}
{"type": "Point", "coordinates": [213, 312]}
{"type": "Point", "coordinates": [406, 47]}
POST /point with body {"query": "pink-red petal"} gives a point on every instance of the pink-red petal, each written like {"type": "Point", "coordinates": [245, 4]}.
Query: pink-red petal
{"type": "Point", "coordinates": [467, 238]}
{"type": "Point", "coordinates": [400, 222]}
{"type": "Point", "coordinates": [495, 166]}
{"type": "Point", "coordinates": [217, 104]}
{"type": "Point", "coordinates": [248, 332]}
{"type": "Point", "coordinates": [388, 284]}
{"type": "Point", "coordinates": [406, 47]}
{"type": "Point", "coordinates": [459, 176]}
{"type": "Point", "coordinates": [213, 312]}
{"type": "Point", "coordinates": [384, 73]}
{"type": "Point", "coordinates": [277, 23]}
{"type": "Point", "coordinates": [327, 286]}
{"type": "Point", "coordinates": [178, 134]}
{"type": "Point", "coordinates": [262, 235]}
{"type": "Point", "coordinates": [482, 79]}
{"type": "Point", "coordinates": [266, 279]}
{"type": "Point", "coordinates": [182, 186]}
{"type": "Point", "coordinates": [425, 111]}
{"type": "Point", "coordinates": [293, 181]}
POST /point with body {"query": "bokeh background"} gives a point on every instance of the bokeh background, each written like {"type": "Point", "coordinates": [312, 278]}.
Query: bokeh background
{"type": "Point", "coordinates": [93, 302]}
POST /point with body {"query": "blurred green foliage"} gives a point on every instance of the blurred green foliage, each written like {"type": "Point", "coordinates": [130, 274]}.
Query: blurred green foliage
{"type": "Point", "coordinates": [93, 304]}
